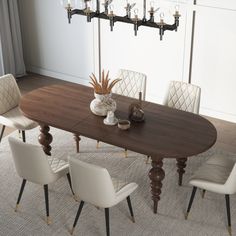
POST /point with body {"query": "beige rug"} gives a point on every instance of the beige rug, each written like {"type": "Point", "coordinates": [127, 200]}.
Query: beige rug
{"type": "Point", "coordinates": [207, 217]}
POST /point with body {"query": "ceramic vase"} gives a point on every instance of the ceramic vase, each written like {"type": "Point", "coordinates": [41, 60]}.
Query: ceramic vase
{"type": "Point", "coordinates": [102, 104]}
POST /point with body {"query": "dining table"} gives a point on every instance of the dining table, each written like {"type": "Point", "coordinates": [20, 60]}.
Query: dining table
{"type": "Point", "coordinates": [165, 132]}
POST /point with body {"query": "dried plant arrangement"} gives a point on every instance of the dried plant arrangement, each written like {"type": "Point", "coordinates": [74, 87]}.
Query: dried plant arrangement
{"type": "Point", "coordinates": [105, 85]}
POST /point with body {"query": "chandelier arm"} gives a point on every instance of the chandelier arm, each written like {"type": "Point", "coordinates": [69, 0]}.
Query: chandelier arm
{"type": "Point", "coordinates": [124, 19]}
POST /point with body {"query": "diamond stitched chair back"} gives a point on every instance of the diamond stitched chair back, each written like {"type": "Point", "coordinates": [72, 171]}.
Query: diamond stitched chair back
{"type": "Point", "coordinates": [93, 184]}
{"type": "Point", "coordinates": [33, 165]}
{"type": "Point", "coordinates": [131, 84]}
{"type": "Point", "coordinates": [184, 96]}
{"type": "Point", "coordinates": [218, 174]}
{"type": "Point", "coordinates": [10, 114]}
{"type": "Point", "coordinates": [9, 93]}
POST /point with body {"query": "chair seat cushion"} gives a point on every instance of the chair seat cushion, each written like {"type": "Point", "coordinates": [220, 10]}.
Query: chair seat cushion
{"type": "Point", "coordinates": [15, 119]}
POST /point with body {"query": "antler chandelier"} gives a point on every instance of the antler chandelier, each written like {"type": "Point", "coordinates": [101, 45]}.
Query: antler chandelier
{"type": "Point", "coordinates": [108, 14]}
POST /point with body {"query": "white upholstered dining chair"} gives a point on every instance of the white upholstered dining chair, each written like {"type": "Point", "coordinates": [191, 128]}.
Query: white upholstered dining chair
{"type": "Point", "coordinates": [94, 185]}
{"type": "Point", "coordinates": [131, 84]}
{"type": "Point", "coordinates": [217, 175]}
{"type": "Point", "coordinates": [183, 96]}
{"type": "Point", "coordinates": [10, 114]}
{"type": "Point", "coordinates": [33, 165]}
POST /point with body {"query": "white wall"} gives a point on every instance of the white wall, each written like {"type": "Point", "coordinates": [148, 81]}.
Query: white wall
{"type": "Point", "coordinates": [52, 46]}
{"type": "Point", "coordinates": [55, 48]}
{"type": "Point", "coordinates": [214, 61]}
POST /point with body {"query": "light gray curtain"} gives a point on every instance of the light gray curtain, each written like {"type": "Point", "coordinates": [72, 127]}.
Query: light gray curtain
{"type": "Point", "coordinates": [11, 53]}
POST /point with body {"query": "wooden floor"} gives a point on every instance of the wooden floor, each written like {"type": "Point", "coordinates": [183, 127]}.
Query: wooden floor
{"type": "Point", "coordinates": [226, 130]}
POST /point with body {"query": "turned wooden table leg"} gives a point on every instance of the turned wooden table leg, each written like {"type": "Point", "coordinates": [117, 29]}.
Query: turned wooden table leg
{"type": "Point", "coordinates": [181, 164]}
{"type": "Point", "coordinates": [77, 140]}
{"type": "Point", "coordinates": [45, 139]}
{"type": "Point", "coordinates": [156, 175]}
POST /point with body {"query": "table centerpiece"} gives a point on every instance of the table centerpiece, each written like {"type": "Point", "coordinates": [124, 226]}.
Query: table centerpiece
{"type": "Point", "coordinates": [103, 101]}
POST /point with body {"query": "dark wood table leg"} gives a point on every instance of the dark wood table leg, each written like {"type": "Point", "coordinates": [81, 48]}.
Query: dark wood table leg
{"type": "Point", "coordinates": [77, 140]}
{"type": "Point", "coordinates": [181, 164]}
{"type": "Point", "coordinates": [156, 175]}
{"type": "Point", "coordinates": [45, 139]}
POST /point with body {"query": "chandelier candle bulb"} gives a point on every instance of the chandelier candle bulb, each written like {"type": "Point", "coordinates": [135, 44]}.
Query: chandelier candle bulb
{"type": "Point", "coordinates": [161, 29]}
{"type": "Point", "coordinates": [111, 16]}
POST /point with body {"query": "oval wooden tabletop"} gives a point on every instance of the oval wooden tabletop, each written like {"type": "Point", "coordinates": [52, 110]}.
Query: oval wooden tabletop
{"type": "Point", "coordinates": [166, 132]}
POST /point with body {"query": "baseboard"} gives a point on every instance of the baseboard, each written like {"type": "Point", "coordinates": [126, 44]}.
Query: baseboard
{"type": "Point", "coordinates": [218, 114]}
{"type": "Point", "coordinates": [58, 75]}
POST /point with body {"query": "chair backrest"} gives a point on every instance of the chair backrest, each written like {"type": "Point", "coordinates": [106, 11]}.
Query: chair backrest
{"type": "Point", "coordinates": [91, 183]}
{"type": "Point", "coordinates": [184, 96]}
{"type": "Point", "coordinates": [230, 183]}
{"type": "Point", "coordinates": [9, 93]}
{"type": "Point", "coordinates": [30, 162]}
{"type": "Point", "coordinates": [131, 84]}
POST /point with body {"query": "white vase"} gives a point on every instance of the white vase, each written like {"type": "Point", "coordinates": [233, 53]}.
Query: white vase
{"type": "Point", "coordinates": [102, 104]}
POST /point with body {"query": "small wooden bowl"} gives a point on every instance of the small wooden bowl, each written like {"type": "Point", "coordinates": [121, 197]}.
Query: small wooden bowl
{"type": "Point", "coordinates": [124, 124]}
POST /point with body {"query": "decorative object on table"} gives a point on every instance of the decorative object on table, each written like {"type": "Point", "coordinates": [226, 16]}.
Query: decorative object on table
{"type": "Point", "coordinates": [108, 14]}
{"type": "Point", "coordinates": [110, 119]}
{"type": "Point", "coordinates": [136, 112]}
{"type": "Point", "coordinates": [124, 124]}
{"type": "Point", "coordinates": [102, 92]}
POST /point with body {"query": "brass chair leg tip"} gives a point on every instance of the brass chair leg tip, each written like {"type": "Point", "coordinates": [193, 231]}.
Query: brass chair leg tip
{"type": "Point", "coordinates": [133, 219]}
{"type": "Point", "coordinates": [72, 231]}
{"type": "Point", "coordinates": [49, 221]}
{"type": "Point", "coordinates": [76, 198]}
{"type": "Point", "coordinates": [126, 154]}
{"type": "Point", "coordinates": [186, 216]}
{"type": "Point", "coordinates": [17, 207]}
{"type": "Point", "coordinates": [230, 230]}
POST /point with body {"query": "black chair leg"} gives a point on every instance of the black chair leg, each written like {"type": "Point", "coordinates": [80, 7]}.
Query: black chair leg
{"type": "Point", "coordinates": [191, 201]}
{"type": "Point", "coordinates": [23, 136]}
{"type": "Point", "coordinates": [130, 208]}
{"type": "Point", "coordinates": [77, 216]}
{"type": "Point", "coordinates": [2, 132]}
{"type": "Point", "coordinates": [47, 203]}
{"type": "Point", "coordinates": [69, 180]}
{"type": "Point", "coordinates": [227, 199]}
{"type": "Point", "coordinates": [107, 221]}
{"type": "Point", "coordinates": [20, 194]}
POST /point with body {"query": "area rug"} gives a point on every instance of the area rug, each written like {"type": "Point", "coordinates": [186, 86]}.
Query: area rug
{"type": "Point", "coordinates": [207, 216]}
